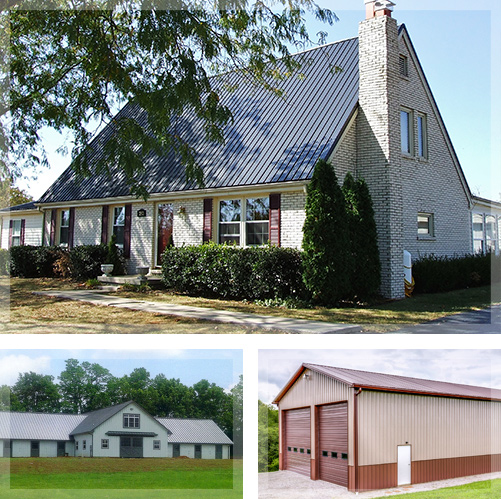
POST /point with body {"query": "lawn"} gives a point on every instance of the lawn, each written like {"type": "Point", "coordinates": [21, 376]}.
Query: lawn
{"type": "Point", "coordinates": [489, 489]}
{"type": "Point", "coordinates": [29, 312]}
{"type": "Point", "coordinates": [77, 477]}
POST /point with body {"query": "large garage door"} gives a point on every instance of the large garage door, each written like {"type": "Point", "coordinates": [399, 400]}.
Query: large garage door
{"type": "Point", "coordinates": [297, 441]}
{"type": "Point", "coordinates": [333, 443]}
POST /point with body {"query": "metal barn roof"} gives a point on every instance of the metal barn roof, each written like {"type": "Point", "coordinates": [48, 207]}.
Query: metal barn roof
{"type": "Point", "coordinates": [194, 431]}
{"type": "Point", "coordinates": [37, 426]}
{"type": "Point", "coordinates": [272, 139]}
{"type": "Point", "coordinates": [95, 418]}
{"type": "Point", "coordinates": [394, 383]}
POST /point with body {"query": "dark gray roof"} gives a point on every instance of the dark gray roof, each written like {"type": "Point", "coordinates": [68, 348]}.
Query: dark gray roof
{"type": "Point", "coordinates": [95, 418]}
{"type": "Point", "coordinates": [38, 426]}
{"type": "Point", "coordinates": [272, 139]}
{"type": "Point", "coordinates": [21, 207]}
{"type": "Point", "coordinates": [194, 431]}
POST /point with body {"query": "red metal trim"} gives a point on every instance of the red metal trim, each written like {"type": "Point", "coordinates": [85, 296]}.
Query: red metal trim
{"type": "Point", "coordinates": [207, 221]}
{"type": "Point", "coordinates": [274, 220]}
{"type": "Point", "coordinates": [71, 228]}
{"type": "Point", "coordinates": [127, 230]}
{"type": "Point", "coordinates": [104, 224]}
{"type": "Point", "coordinates": [23, 231]}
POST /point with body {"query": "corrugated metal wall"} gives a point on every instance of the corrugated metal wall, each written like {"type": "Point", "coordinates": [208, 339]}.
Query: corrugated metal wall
{"type": "Point", "coordinates": [319, 389]}
{"type": "Point", "coordinates": [297, 447]}
{"type": "Point", "coordinates": [436, 427]}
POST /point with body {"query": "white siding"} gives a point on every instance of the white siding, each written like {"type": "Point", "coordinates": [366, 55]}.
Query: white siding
{"type": "Point", "coordinates": [48, 448]}
{"type": "Point", "coordinates": [21, 448]}
{"type": "Point", "coordinates": [1, 448]}
{"type": "Point", "coordinates": [32, 230]}
{"type": "Point", "coordinates": [81, 452]}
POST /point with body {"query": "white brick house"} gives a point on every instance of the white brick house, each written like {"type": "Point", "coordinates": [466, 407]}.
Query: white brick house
{"type": "Point", "coordinates": [376, 118]}
{"type": "Point", "coordinates": [124, 430]}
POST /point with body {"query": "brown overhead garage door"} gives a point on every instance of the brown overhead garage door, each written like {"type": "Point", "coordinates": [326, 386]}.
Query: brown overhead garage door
{"type": "Point", "coordinates": [333, 443]}
{"type": "Point", "coordinates": [297, 441]}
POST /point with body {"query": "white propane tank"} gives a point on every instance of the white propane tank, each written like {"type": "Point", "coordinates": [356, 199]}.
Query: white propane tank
{"type": "Point", "coordinates": [408, 279]}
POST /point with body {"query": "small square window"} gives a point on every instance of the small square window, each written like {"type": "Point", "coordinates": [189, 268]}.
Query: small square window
{"type": "Point", "coordinates": [105, 443]}
{"type": "Point", "coordinates": [404, 66]}
{"type": "Point", "coordinates": [301, 451]}
{"type": "Point", "coordinates": [308, 451]}
{"type": "Point", "coordinates": [295, 449]}
{"type": "Point", "coordinates": [325, 453]}
{"type": "Point", "coordinates": [334, 454]}
{"type": "Point", "coordinates": [289, 448]}
{"type": "Point", "coordinates": [156, 444]}
{"type": "Point", "coordinates": [425, 224]}
{"type": "Point", "coordinates": [344, 456]}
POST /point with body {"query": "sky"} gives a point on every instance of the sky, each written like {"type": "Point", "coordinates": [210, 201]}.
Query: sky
{"type": "Point", "coordinates": [460, 55]}
{"type": "Point", "coordinates": [221, 367]}
{"type": "Point", "coordinates": [469, 367]}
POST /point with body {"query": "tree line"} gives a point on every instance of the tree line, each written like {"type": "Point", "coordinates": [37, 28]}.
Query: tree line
{"type": "Point", "coordinates": [83, 387]}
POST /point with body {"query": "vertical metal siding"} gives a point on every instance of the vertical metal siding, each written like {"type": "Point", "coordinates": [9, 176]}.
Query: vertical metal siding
{"type": "Point", "coordinates": [436, 427]}
{"type": "Point", "coordinates": [320, 389]}
{"type": "Point", "coordinates": [333, 438]}
{"type": "Point", "coordinates": [297, 439]}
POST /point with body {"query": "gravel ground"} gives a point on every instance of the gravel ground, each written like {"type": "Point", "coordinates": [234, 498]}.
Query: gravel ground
{"type": "Point", "coordinates": [290, 485]}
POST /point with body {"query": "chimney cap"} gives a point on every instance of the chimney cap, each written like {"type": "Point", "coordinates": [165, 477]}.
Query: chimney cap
{"type": "Point", "coordinates": [384, 5]}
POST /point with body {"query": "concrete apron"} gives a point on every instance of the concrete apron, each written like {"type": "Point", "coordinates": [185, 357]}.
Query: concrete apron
{"type": "Point", "coordinates": [290, 485]}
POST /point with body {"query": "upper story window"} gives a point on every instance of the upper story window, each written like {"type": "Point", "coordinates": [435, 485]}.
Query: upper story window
{"type": "Point", "coordinates": [422, 135]}
{"type": "Point", "coordinates": [404, 66]}
{"type": "Point", "coordinates": [119, 225]}
{"type": "Point", "coordinates": [426, 224]}
{"type": "Point", "coordinates": [131, 420]}
{"type": "Point", "coordinates": [16, 233]}
{"type": "Point", "coordinates": [406, 131]}
{"type": "Point", "coordinates": [64, 228]}
{"type": "Point", "coordinates": [244, 222]}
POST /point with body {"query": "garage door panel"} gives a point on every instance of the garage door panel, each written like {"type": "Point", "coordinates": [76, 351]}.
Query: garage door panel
{"type": "Point", "coordinates": [333, 443]}
{"type": "Point", "coordinates": [297, 441]}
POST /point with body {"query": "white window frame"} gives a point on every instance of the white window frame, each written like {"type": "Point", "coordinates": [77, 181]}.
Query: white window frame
{"type": "Point", "coordinates": [243, 222]}
{"type": "Point", "coordinates": [131, 420]}
{"type": "Point", "coordinates": [478, 239]}
{"type": "Point", "coordinates": [430, 232]}
{"type": "Point", "coordinates": [490, 238]}
{"type": "Point", "coordinates": [410, 132]}
{"type": "Point", "coordinates": [156, 444]}
{"type": "Point", "coordinates": [105, 443]}
{"type": "Point", "coordinates": [422, 135]}
{"type": "Point", "coordinates": [61, 226]}
{"type": "Point", "coordinates": [114, 224]}
{"type": "Point", "coordinates": [16, 233]}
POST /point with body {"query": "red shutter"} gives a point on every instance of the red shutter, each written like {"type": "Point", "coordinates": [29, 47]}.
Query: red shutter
{"type": "Point", "coordinates": [23, 230]}
{"type": "Point", "coordinates": [53, 221]}
{"type": "Point", "coordinates": [10, 233]}
{"type": "Point", "coordinates": [128, 218]}
{"type": "Point", "coordinates": [207, 232]}
{"type": "Point", "coordinates": [104, 224]}
{"type": "Point", "coordinates": [275, 219]}
{"type": "Point", "coordinates": [71, 228]}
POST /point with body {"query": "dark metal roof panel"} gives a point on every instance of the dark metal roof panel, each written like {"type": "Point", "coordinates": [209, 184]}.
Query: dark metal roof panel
{"type": "Point", "coordinates": [21, 207]}
{"type": "Point", "coordinates": [272, 139]}
{"type": "Point", "coordinates": [95, 418]}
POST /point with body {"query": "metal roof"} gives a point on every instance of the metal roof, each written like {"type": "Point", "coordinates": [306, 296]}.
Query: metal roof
{"type": "Point", "coordinates": [37, 426]}
{"type": "Point", "coordinates": [394, 383]}
{"type": "Point", "coordinates": [194, 431]}
{"type": "Point", "coordinates": [21, 207]}
{"type": "Point", "coordinates": [95, 418]}
{"type": "Point", "coordinates": [272, 139]}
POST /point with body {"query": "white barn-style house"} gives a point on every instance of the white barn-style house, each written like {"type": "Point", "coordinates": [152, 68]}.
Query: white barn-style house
{"type": "Point", "coordinates": [124, 430]}
{"type": "Point", "coordinates": [375, 117]}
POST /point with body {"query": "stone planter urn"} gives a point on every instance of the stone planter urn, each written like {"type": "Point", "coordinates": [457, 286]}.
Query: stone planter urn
{"type": "Point", "coordinates": [142, 271]}
{"type": "Point", "coordinates": [106, 269]}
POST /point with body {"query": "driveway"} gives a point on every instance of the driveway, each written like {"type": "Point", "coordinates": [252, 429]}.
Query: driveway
{"type": "Point", "coordinates": [290, 485]}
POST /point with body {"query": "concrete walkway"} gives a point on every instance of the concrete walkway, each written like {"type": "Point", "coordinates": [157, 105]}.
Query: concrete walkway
{"type": "Point", "coordinates": [289, 485]}
{"type": "Point", "coordinates": [101, 298]}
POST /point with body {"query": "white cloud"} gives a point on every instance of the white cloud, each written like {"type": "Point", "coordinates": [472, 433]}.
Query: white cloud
{"type": "Point", "coordinates": [12, 365]}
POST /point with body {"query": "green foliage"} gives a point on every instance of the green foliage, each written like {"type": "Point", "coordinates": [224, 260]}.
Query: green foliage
{"type": "Point", "coordinates": [326, 243]}
{"type": "Point", "coordinates": [92, 283]}
{"type": "Point", "coordinates": [4, 262]}
{"type": "Point", "coordinates": [225, 271]}
{"type": "Point", "coordinates": [77, 63]}
{"type": "Point", "coordinates": [435, 274]}
{"type": "Point", "coordinates": [5, 397]}
{"type": "Point", "coordinates": [268, 449]}
{"type": "Point", "coordinates": [34, 261]}
{"type": "Point", "coordinates": [365, 277]}
{"type": "Point", "coordinates": [35, 393]}
{"type": "Point", "coordinates": [114, 256]}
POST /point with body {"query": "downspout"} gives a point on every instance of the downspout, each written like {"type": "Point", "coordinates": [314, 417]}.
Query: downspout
{"type": "Point", "coordinates": [357, 392]}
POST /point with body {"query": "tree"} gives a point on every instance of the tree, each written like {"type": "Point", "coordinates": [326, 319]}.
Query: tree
{"type": "Point", "coordinates": [174, 400]}
{"type": "Point", "coordinates": [36, 393]}
{"type": "Point", "coordinates": [12, 196]}
{"type": "Point", "coordinates": [235, 412]}
{"type": "Point", "coordinates": [75, 63]}
{"type": "Point", "coordinates": [366, 267]}
{"type": "Point", "coordinates": [5, 398]}
{"type": "Point", "coordinates": [268, 450]}
{"type": "Point", "coordinates": [326, 243]}
{"type": "Point", "coordinates": [209, 402]}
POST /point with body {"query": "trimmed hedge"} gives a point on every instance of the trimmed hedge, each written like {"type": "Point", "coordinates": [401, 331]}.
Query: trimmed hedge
{"type": "Point", "coordinates": [4, 262]}
{"type": "Point", "coordinates": [81, 262]}
{"type": "Point", "coordinates": [436, 274]}
{"type": "Point", "coordinates": [224, 271]}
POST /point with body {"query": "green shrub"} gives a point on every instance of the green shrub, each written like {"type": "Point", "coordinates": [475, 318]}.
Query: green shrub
{"type": "Point", "coordinates": [85, 261]}
{"type": "Point", "coordinates": [34, 261]}
{"type": "Point", "coordinates": [436, 274]}
{"type": "Point", "coordinates": [225, 271]}
{"type": "Point", "coordinates": [4, 262]}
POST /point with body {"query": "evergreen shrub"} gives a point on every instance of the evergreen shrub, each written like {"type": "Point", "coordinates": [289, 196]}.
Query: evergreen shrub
{"type": "Point", "coordinates": [225, 271]}
{"type": "Point", "coordinates": [33, 261]}
{"type": "Point", "coordinates": [4, 262]}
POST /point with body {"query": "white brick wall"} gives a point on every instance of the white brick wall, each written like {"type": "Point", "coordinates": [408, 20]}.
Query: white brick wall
{"type": "Point", "coordinates": [141, 237]}
{"type": "Point", "coordinates": [88, 223]}
{"type": "Point", "coordinates": [188, 227]}
{"type": "Point", "coordinates": [292, 219]}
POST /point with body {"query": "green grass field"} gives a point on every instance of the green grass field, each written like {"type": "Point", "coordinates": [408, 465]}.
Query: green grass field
{"type": "Point", "coordinates": [490, 489]}
{"type": "Point", "coordinates": [107, 478]}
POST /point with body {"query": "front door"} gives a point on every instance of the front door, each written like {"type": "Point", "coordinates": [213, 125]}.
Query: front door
{"type": "Point", "coordinates": [176, 450]}
{"type": "Point", "coordinates": [219, 452]}
{"type": "Point", "coordinates": [165, 220]}
{"type": "Point", "coordinates": [404, 464]}
{"type": "Point", "coordinates": [35, 448]}
{"type": "Point", "coordinates": [131, 446]}
{"type": "Point", "coordinates": [61, 449]}
{"type": "Point", "coordinates": [198, 452]}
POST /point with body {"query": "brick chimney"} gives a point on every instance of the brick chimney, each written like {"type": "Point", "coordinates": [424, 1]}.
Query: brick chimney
{"type": "Point", "coordinates": [378, 136]}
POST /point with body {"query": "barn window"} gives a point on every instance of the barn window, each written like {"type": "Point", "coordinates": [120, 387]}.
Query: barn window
{"type": "Point", "coordinates": [156, 444]}
{"type": "Point", "coordinates": [105, 443]}
{"type": "Point", "coordinates": [308, 451]}
{"type": "Point", "coordinates": [84, 444]}
{"type": "Point", "coordinates": [301, 451]}
{"type": "Point", "coordinates": [295, 449]}
{"type": "Point", "coordinates": [131, 421]}
{"type": "Point", "coordinates": [344, 456]}
{"type": "Point", "coordinates": [325, 453]}
{"type": "Point", "coordinates": [333, 454]}
{"type": "Point", "coordinates": [76, 444]}
{"type": "Point", "coordinates": [289, 448]}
